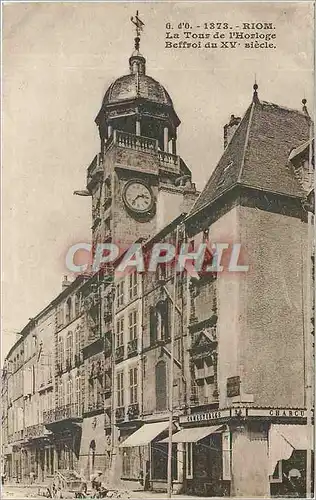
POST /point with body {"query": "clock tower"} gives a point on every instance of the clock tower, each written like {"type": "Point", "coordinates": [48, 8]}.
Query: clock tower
{"type": "Point", "coordinates": [137, 181]}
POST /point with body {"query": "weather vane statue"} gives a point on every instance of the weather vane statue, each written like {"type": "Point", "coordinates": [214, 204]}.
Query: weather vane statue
{"type": "Point", "coordinates": [139, 26]}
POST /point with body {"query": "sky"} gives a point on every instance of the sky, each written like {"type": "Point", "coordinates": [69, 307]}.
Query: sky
{"type": "Point", "coordinates": [58, 61]}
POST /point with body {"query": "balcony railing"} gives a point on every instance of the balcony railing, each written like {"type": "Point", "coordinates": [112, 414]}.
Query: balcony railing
{"type": "Point", "coordinates": [95, 405]}
{"type": "Point", "coordinates": [16, 436]}
{"type": "Point", "coordinates": [133, 411]}
{"type": "Point", "coordinates": [132, 347]}
{"type": "Point", "coordinates": [67, 412]}
{"type": "Point", "coordinates": [34, 431]}
{"type": "Point", "coordinates": [169, 161]}
{"type": "Point", "coordinates": [200, 400]}
{"type": "Point", "coordinates": [137, 142]}
{"type": "Point", "coordinates": [93, 336]}
{"type": "Point", "coordinates": [120, 413]}
{"type": "Point", "coordinates": [119, 353]}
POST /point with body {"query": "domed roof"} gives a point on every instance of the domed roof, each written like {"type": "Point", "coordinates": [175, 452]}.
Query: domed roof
{"type": "Point", "coordinates": [136, 85]}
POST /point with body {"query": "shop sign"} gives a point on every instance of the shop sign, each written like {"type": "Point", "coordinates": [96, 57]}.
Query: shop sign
{"type": "Point", "coordinates": [226, 456]}
{"type": "Point", "coordinates": [233, 387]}
{"type": "Point", "coordinates": [276, 412]}
{"type": "Point", "coordinates": [203, 417]}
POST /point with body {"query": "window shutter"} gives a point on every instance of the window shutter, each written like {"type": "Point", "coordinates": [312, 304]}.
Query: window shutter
{"type": "Point", "coordinates": [153, 325]}
{"type": "Point", "coordinates": [166, 319]}
{"type": "Point", "coordinates": [161, 386]}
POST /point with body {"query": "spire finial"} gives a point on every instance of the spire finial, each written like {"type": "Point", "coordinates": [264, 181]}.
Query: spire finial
{"type": "Point", "coordinates": [255, 97]}
{"type": "Point", "coordinates": [305, 110]}
{"type": "Point", "coordinates": [138, 29]}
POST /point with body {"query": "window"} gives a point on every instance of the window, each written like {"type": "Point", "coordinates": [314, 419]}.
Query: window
{"type": "Point", "coordinates": [78, 395]}
{"type": "Point", "coordinates": [92, 393]}
{"type": "Point", "coordinates": [132, 325]}
{"type": "Point", "coordinates": [120, 294]}
{"type": "Point", "coordinates": [50, 401]}
{"type": "Point", "coordinates": [177, 393]}
{"type": "Point", "coordinates": [161, 386]}
{"type": "Point", "coordinates": [69, 347]}
{"type": "Point", "coordinates": [77, 342]}
{"type": "Point", "coordinates": [60, 394]}
{"type": "Point", "coordinates": [60, 350]}
{"type": "Point", "coordinates": [68, 315]}
{"type": "Point", "coordinates": [133, 385]}
{"type": "Point", "coordinates": [189, 460]}
{"type": "Point", "coordinates": [159, 321]}
{"type": "Point", "coordinates": [59, 314]}
{"type": "Point", "coordinates": [77, 305]}
{"type": "Point", "coordinates": [107, 226]}
{"type": "Point", "coordinates": [120, 389]}
{"type": "Point", "coordinates": [132, 285]}
{"type": "Point", "coordinates": [163, 320]}
{"type": "Point", "coordinates": [33, 379]}
{"type": "Point", "coordinates": [152, 325]}
{"type": "Point", "coordinates": [69, 391]}
{"type": "Point", "coordinates": [205, 389]}
{"type": "Point", "coordinates": [107, 190]}
{"type": "Point", "coordinates": [41, 374]}
{"type": "Point", "coordinates": [120, 332]}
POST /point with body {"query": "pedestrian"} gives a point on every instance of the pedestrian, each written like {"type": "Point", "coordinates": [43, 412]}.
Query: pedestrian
{"type": "Point", "coordinates": [54, 490]}
{"type": "Point", "coordinates": [96, 481]}
{"type": "Point", "coordinates": [59, 493]}
{"type": "Point", "coordinates": [32, 477]}
{"type": "Point", "coordinates": [141, 478]}
{"type": "Point", "coordinates": [83, 490]}
{"type": "Point", "coordinates": [48, 493]}
{"type": "Point", "coordinates": [147, 477]}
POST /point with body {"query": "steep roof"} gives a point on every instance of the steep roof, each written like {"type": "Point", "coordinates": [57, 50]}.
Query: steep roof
{"type": "Point", "coordinates": [257, 156]}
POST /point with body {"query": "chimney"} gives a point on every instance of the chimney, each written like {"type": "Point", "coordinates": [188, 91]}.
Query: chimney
{"type": "Point", "coordinates": [230, 128]}
{"type": "Point", "coordinates": [65, 283]}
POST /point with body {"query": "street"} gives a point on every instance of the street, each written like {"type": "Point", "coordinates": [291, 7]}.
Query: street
{"type": "Point", "coordinates": [20, 492]}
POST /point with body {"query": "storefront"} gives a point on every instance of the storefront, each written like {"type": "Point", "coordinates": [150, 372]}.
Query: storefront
{"type": "Point", "coordinates": [145, 455]}
{"type": "Point", "coordinates": [249, 452]}
{"type": "Point", "coordinates": [203, 451]}
{"type": "Point", "coordinates": [242, 452]}
{"type": "Point", "coordinates": [287, 460]}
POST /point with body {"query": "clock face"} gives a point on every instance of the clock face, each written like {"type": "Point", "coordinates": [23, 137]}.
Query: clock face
{"type": "Point", "coordinates": [138, 197]}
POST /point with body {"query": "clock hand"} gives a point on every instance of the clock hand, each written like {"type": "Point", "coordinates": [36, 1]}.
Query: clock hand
{"type": "Point", "coordinates": [134, 200]}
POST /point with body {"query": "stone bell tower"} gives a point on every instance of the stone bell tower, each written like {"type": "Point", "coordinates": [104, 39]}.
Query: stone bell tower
{"type": "Point", "coordinates": [138, 183]}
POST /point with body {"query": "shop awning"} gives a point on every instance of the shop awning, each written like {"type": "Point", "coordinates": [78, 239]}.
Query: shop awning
{"type": "Point", "coordinates": [283, 439]}
{"type": "Point", "coordinates": [194, 434]}
{"type": "Point", "coordinates": [144, 435]}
